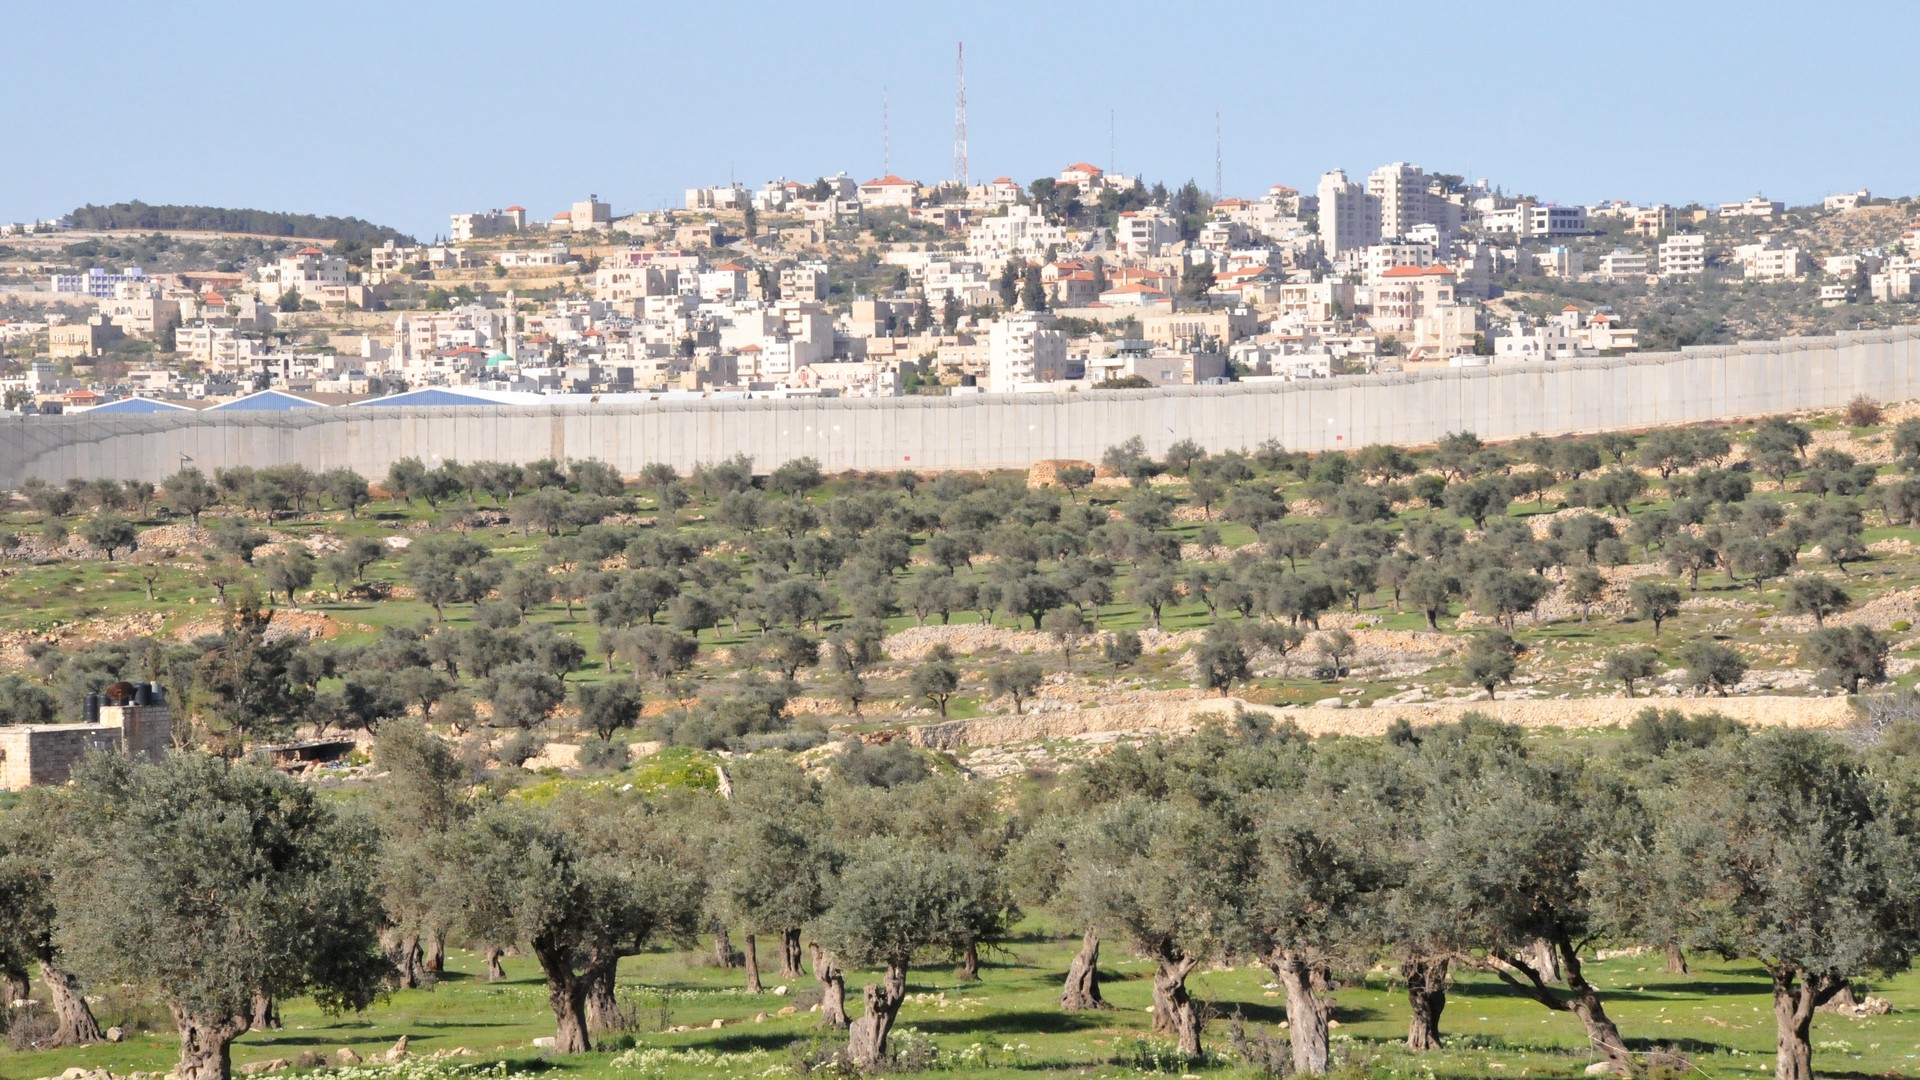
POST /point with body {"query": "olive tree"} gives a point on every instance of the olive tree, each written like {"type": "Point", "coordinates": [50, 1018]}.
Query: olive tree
{"type": "Point", "coordinates": [892, 902]}
{"type": "Point", "coordinates": [218, 885]}
{"type": "Point", "coordinates": [28, 840]}
{"type": "Point", "coordinates": [521, 878]}
{"type": "Point", "coordinates": [775, 861]}
{"type": "Point", "coordinates": [1165, 876]}
{"type": "Point", "coordinates": [1787, 849]}
{"type": "Point", "coordinates": [1517, 835]}
{"type": "Point", "coordinates": [1316, 876]}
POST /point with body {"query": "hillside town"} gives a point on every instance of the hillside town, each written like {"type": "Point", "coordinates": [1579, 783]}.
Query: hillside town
{"type": "Point", "coordinates": [1086, 280]}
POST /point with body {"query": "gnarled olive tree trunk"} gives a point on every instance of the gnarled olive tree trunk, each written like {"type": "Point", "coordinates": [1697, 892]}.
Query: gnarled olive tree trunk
{"type": "Point", "coordinates": [753, 967]}
{"type": "Point", "coordinates": [1796, 996]}
{"type": "Point", "coordinates": [1676, 960]}
{"type": "Point", "coordinates": [206, 1045]}
{"type": "Point", "coordinates": [1427, 997]}
{"type": "Point", "coordinates": [1082, 989]}
{"type": "Point", "coordinates": [791, 954]}
{"type": "Point", "coordinates": [13, 986]}
{"type": "Point", "coordinates": [403, 952]}
{"type": "Point", "coordinates": [433, 950]}
{"type": "Point", "coordinates": [867, 1036]}
{"type": "Point", "coordinates": [266, 1012]}
{"type": "Point", "coordinates": [723, 954]}
{"type": "Point", "coordinates": [1309, 1007]}
{"type": "Point", "coordinates": [969, 963]}
{"type": "Point", "coordinates": [1173, 1009]}
{"type": "Point", "coordinates": [833, 988]}
{"type": "Point", "coordinates": [77, 1024]}
{"type": "Point", "coordinates": [1580, 999]}
{"type": "Point", "coordinates": [494, 971]}
{"type": "Point", "coordinates": [567, 995]}
{"type": "Point", "coordinates": [603, 1004]}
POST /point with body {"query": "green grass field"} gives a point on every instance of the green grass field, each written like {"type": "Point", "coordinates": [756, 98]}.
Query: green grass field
{"type": "Point", "coordinates": [1720, 1016]}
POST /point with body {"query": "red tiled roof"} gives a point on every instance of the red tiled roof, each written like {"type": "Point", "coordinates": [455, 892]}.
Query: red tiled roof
{"type": "Point", "coordinates": [889, 180]}
{"type": "Point", "coordinates": [1082, 167]}
{"type": "Point", "coordinates": [521, 209]}
{"type": "Point", "coordinates": [730, 268]}
{"type": "Point", "coordinates": [1417, 271]}
{"type": "Point", "coordinates": [311, 250]}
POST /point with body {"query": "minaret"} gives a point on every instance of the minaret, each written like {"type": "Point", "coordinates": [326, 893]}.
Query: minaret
{"type": "Point", "coordinates": [512, 329]}
{"type": "Point", "coordinates": [400, 344]}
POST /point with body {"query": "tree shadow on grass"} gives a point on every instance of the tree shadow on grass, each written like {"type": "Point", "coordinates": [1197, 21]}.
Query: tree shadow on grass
{"type": "Point", "coordinates": [742, 1042]}
{"type": "Point", "coordinates": [1017, 1022]}
{"type": "Point", "coordinates": [1702, 988]}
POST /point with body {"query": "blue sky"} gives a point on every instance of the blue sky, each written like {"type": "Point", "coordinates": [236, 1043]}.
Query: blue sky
{"type": "Point", "coordinates": [405, 112]}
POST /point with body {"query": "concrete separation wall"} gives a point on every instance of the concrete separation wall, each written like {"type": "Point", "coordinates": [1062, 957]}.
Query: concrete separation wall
{"type": "Point", "coordinates": [999, 431]}
{"type": "Point", "coordinates": [1178, 717]}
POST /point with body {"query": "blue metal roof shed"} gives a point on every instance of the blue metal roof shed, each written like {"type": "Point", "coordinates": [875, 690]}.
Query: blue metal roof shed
{"type": "Point", "coordinates": [266, 401]}
{"type": "Point", "coordinates": [135, 406]}
{"type": "Point", "coordinates": [430, 396]}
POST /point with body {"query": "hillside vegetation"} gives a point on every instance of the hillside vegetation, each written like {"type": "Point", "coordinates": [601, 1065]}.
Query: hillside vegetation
{"type": "Point", "coordinates": [139, 215]}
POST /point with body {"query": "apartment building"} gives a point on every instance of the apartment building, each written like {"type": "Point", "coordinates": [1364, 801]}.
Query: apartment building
{"type": "Point", "coordinates": [1349, 214]}
{"type": "Point", "coordinates": [470, 227]}
{"type": "Point", "coordinates": [1657, 220]}
{"type": "Point", "coordinates": [219, 348]}
{"type": "Point", "coordinates": [1144, 234]}
{"type": "Point", "coordinates": [1024, 349]}
{"type": "Point", "coordinates": [1021, 231]}
{"type": "Point", "coordinates": [807, 281]}
{"type": "Point", "coordinates": [95, 282]}
{"type": "Point", "coordinates": [1377, 259]}
{"type": "Point", "coordinates": [1560, 262]}
{"type": "Point", "coordinates": [1315, 301]}
{"type": "Point", "coordinates": [82, 339]}
{"type": "Point", "coordinates": [1683, 255]}
{"type": "Point", "coordinates": [1536, 220]}
{"type": "Point", "coordinates": [140, 308]}
{"type": "Point", "coordinates": [1769, 260]}
{"type": "Point", "coordinates": [1757, 207]}
{"type": "Point", "coordinates": [308, 272]}
{"type": "Point", "coordinates": [1621, 265]}
{"type": "Point", "coordinates": [588, 215]}
{"type": "Point", "coordinates": [889, 192]}
{"type": "Point", "coordinates": [1851, 200]}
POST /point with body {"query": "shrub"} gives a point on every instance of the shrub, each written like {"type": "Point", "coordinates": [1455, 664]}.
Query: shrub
{"type": "Point", "coordinates": [518, 750]}
{"type": "Point", "coordinates": [1900, 626]}
{"type": "Point", "coordinates": [602, 755]}
{"type": "Point", "coordinates": [1863, 411]}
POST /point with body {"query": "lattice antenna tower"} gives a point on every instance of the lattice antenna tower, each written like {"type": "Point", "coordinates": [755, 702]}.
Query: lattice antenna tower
{"type": "Point", "coordinates": [1219, 189]}
{"type": "Point", "coordinates": [960, 115]}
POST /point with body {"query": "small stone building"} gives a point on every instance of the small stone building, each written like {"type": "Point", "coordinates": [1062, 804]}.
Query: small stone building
{"type": "Point", "coordinates": [133, 717]}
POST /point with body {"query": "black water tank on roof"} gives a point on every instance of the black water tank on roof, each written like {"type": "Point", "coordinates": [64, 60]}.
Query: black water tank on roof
{"type": "Point", "coordinates": [91, 714]}
{"type": "Point", "coordinates": [142, 694]}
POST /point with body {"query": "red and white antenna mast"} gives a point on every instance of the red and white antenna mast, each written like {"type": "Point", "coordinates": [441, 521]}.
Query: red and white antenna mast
{"type": "Point", "coordinates": [960, 116]}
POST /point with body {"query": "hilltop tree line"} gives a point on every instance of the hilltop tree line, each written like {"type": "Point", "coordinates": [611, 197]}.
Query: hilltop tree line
{"type": "Point", "coordinates": [138, 215]}
{"type": "Point", "coordinates": [225, 887]}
